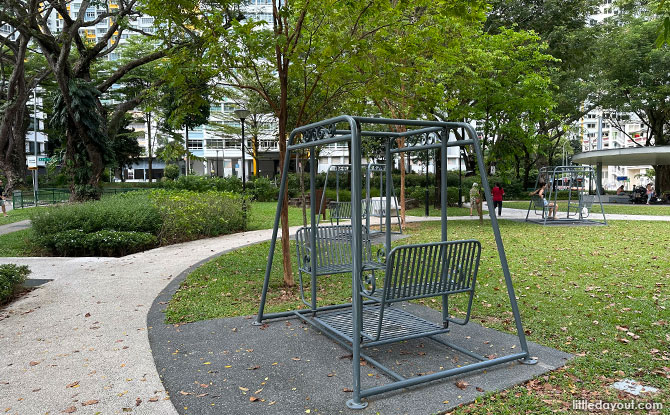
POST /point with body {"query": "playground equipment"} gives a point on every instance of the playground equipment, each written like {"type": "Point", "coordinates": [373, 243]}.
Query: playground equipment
{"type": "Point", "coordinates": [372, 206]}
{"type": "Point", "coordinates": [415, 271]}
{"type": "Point", "coordinates": [570, 179]}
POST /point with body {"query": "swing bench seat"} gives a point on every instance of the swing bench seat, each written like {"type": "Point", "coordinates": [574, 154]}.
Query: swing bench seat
{"type": "Point", "coordinates": [412, 272]}
{"type": "Point", "coordinates": [339, 211]}
{"type": "Point", "coordinates": [538, 203]}
{"type": "Point", "coordinates": [583, 209]}
{"type": "Point", "coordinates": [333, 250]}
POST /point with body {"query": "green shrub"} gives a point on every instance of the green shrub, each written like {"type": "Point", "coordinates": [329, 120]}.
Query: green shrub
{"type": "Point", "coordinates": [263, 190]}
{"type": "Point", "coordinates": [204, 183]}
{"type": "Point", "coordinates": [131, 212]}
{"type": "Point", "coordinates": [189, 215]}
{"type": "Point", "coordinates": [11, 278]}
{"type": "Point", "coordinates": [171, 171]}
{"type": "Point", "coordinates": [76, 242]}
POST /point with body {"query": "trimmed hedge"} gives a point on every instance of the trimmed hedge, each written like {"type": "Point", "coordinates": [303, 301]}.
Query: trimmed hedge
{"type": "Point", "coordinates": [135, 221]}
{"type": "Point", "coordinates": [123, 212]}
{"type": "Point", "coordinates": [11, 278]}
{"type": "Point", "coordinates": [76, 242]}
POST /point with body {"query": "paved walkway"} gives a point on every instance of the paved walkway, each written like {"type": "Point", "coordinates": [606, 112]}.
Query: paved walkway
{"type": "Point", "coordinates": [13, 227]}
{"type": "Point", "coordinates": [80, 342]}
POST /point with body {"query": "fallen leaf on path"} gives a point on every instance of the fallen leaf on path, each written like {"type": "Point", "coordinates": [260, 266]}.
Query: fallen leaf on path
{"type": "Point", "coordinates": [244, 389]}
{"type": "Point", "coordinates": [138, 401]}
{"type": "Point", "coordinates": [254, 367]}
{"type": "Point", "coordinates": [461, 384]}
{"type": "Point", "coordinates": [73, 385]}
{"type": "Point", "coordinates": [69, 410]}
{"type": "Point", "coordinates": [91, 402]}
{"type": "Point", "coordinates": [34, 363]}
{"type": "Point", "coordinates": [185, 393]}
{"type": "Point", "coordinates": [347, 390]}
{"type": "Point", "coordinates": [253, 399]}
{"type": "Point", "coordinates": [202, 395]}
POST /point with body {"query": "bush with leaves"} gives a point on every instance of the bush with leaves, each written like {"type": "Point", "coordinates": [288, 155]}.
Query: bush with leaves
{"type": "Point", "coordinates": [189, 215]}
{"type": "Point", "coordinates": [130, 211]}
{"type": "Point", "coordinates": [76, 242]}
{"type": "Point", "coordinates": [11, 278]}
{"type": "Point", "coordinates": [171, 172]}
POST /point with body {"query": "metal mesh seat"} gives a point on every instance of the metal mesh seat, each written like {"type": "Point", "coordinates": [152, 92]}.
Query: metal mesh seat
{"type": "Point", "coordinates": [412, 272]}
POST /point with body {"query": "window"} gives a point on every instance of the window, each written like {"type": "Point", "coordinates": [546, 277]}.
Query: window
{"type": "Point", "coordinates": [195, 144]}
{"type": "Point", "coordinates": [229, 107]}
{"type": "Point", "coordinates": [215, 144]}
{"type": "Point", "coordinates": [147, 20]}
{"type": "Point", "coordinates": [215, 107]}
{"type": "Point", "coordinates": [90, 15]}
{"type": "Point", "coordinates": [591, 125]}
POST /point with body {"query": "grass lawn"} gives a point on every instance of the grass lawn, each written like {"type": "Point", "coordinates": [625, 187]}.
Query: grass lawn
{"type": "Point", "coordinates": [651, 210]}
{"type": "Point", "coordinates": [451, 211]}
{"type": "Point", "coordinates": [16, 244]}
{"type": "Point", "coordinates": [600, 293]}
{"type": "Point", "coordinates": [16, 215]}
{"type": "Point", "coordinates": [263, 215]}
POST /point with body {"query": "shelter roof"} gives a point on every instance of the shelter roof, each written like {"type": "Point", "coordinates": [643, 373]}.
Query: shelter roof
{"type": "Point", "coordinates": [630, 156]}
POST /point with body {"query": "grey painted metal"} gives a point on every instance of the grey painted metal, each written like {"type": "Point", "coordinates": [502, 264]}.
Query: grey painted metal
{"type": "Point", "coordinates": [326, 132]}
{"type": "Point", "coordinates": [337, 168]}
{"type": "Point", "coordinates": [373, 209]}
{"type": "Point", "coordinates": [578, 197]}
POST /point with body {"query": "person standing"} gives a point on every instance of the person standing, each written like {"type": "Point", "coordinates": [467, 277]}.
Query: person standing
{"type": "Point", "coordinates": [475, 199]}
{"type": "Point", "coordinates": [498, 192]}
{"type": "Point", "coordinates": [2, 199]}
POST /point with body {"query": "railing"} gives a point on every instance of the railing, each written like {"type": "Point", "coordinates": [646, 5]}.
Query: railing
{"type": "Point", "coordinates": [52, 196]}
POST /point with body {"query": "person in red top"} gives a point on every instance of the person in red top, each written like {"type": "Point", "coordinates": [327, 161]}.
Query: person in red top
{"type": "Point", "coordinates": [498, 193]}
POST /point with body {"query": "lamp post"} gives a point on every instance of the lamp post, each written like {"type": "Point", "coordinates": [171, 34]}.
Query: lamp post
{"type": "Point", "coordinates": [35, 125]}
{"type": "Point", "coordinates": [217, 162]}
{"type": "Point", "coordinates": [242, 114]}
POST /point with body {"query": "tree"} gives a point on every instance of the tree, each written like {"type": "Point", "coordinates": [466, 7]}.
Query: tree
{"type": "Point", "coordinates": [185, 99]}
{"type": "Point", "coordinates": [71, 56]}
{"type": "Point", "coordinates": [125, 148]}
{"type": "Point", "coordinates": [409, 61]}
{"type": "Point", "coordinates": [144, 82]}
{"type": "Point", "coordinates": [638, 80]}
{"type": "Point", "coordinates": [21, 71]}
{"type": "Point", "coordinates": [563, 27]}
{"type": "Point", "coordinates": [319, 37]}
{"type": "Point", "coordinates": [506, 87]}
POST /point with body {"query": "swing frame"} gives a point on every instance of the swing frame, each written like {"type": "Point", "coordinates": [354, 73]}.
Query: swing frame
{"type": "Point", "coordinates": [433, 135]}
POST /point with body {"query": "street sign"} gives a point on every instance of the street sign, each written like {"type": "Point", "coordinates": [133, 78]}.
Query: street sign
{"type": "Point", "coordinates": [47, 159]}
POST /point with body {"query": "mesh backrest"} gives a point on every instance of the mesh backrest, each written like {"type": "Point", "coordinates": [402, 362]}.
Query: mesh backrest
{"type": "Point", "coordinates": [426, 270]}
{"type": "Point", "coordinates": [333, 244]}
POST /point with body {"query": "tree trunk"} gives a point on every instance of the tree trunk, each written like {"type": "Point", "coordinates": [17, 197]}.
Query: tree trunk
{"type": "Point", "coordinates": [401, 144]}
{"type": "Point", "coordinates": [13, 128]}
{"type": "Point", "coordinates": [662, 181]}
{"type": "Point", "coordinates": [283, 122]}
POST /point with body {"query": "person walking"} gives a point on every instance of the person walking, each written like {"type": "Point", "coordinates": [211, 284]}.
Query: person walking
{"type": "Point", "coordinates": [498, 192]}
{"type": "Point", "coordinates": [2, 199]}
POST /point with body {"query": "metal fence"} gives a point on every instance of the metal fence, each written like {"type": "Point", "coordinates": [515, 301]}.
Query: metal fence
{"type": "Point", "coordinates": [51, 196]}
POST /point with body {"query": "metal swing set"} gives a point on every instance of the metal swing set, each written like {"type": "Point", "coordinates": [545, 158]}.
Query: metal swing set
{"type": "Point", "coordinates": [573, 180]}
{"type": "Point", "coordinates": [414, 271]}
{"type": "Point", "coordinates": [373, 207]}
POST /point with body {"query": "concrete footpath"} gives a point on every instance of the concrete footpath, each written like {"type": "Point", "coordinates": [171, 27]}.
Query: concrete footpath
{"type": "Point", "coordinates": [13, 227]}
{"type": "Point", "coordinates": [79, 344]}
